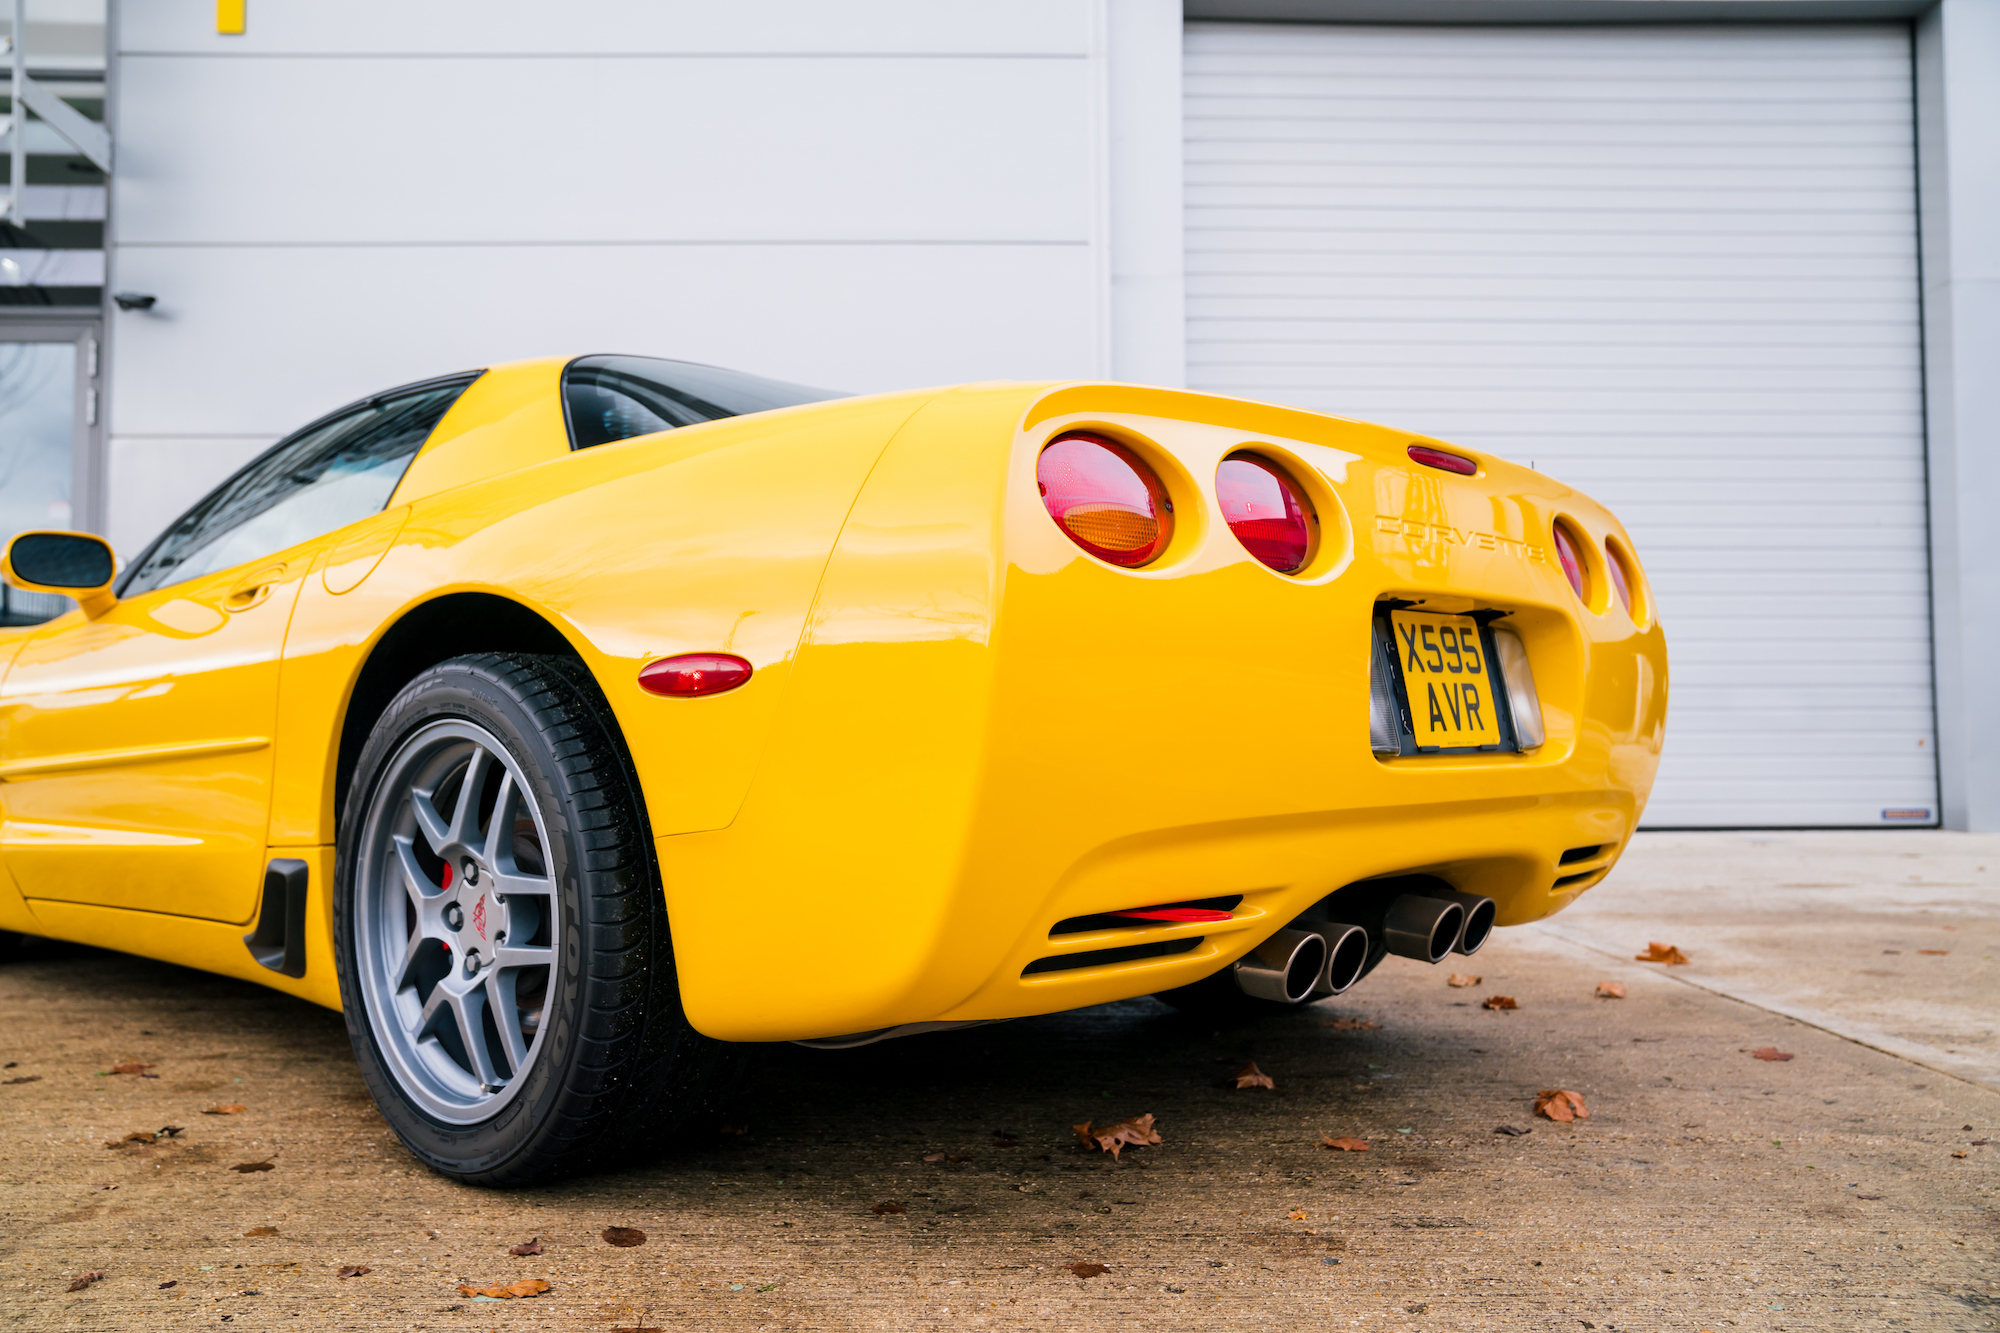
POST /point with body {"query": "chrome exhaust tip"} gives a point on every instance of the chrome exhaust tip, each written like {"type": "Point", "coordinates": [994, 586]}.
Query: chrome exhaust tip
{"type": "Point", "coordinates": [1424, 928]}
{"type": "Point", "coordinates": [1478, 927]}
{"type": "Point", "coordinates": [1284, 968]}
{"type": "Point", "coordinates": [1346, 956]}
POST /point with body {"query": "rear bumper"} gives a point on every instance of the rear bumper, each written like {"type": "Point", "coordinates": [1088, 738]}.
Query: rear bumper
{"type": "Point", "coordinates": [987, 733]}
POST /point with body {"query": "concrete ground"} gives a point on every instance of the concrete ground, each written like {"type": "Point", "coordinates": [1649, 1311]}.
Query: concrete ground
{"type": "Point", "coordinates": [1708, 1189]}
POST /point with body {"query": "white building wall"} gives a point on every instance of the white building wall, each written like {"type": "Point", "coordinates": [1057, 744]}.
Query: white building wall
{"type": "Point", "coordinates": [873, 195]}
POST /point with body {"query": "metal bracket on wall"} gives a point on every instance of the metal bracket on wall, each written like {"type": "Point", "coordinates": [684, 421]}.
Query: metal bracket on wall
{"type": "Point", "coordinates": [82, 133]}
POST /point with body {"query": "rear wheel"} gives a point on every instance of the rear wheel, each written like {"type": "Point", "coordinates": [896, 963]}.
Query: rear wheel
{"type": "Point", "coordinates": [505, 966]}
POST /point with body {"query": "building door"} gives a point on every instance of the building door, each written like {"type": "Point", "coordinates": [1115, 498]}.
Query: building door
{"type": "Point", "coordinates": [48, 434]}
{"type": "Point", "coordinates": [1674, 266]}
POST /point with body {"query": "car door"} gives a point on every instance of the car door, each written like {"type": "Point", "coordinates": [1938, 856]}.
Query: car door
{"type": "Point", "coordinates": [136, 747]}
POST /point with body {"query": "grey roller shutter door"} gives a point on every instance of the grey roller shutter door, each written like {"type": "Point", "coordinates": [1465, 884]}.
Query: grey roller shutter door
{"type": "Point", "coordinates": [1673, 266]}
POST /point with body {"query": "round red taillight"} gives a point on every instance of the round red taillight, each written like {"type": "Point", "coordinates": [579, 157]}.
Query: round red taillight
{"type": "Point", "coordinates": [1568, 551]}
{"type": "Point", "coordinates": [1267, 510]}
{"type": "Point", "coordinates": [1105, 499]}
{"type": "Point", "coordinates": [1619, 582]}
{"type": "Point", "coordinates": [692, 674]}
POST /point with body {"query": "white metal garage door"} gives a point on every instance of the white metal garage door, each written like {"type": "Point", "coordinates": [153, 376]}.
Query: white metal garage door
{"type": "Point", "coordinates": [1674, 266]}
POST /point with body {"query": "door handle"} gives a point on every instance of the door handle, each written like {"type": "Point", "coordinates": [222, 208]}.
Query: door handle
{"type": "Point", "coordinates": [253, 590]}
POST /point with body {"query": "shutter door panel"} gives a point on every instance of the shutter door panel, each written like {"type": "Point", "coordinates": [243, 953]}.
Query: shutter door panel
{"type": "Point", "coordinates": [1673, 266]}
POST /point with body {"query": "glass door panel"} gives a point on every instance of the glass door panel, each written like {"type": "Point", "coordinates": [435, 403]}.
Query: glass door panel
{"type": "Point", "coordinates": [38, 393]}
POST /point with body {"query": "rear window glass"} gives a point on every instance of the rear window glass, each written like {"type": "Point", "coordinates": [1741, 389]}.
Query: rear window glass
{"type": "Point", "coordinates": [608, 398]}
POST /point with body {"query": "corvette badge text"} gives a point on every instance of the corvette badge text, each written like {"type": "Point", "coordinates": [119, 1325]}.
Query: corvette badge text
{"type": "Point", "coordinates": [1414, 532]}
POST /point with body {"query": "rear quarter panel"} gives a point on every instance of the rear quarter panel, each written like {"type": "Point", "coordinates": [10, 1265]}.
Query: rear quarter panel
{"type": "Point", "coordinates": [986, 730]}
{"type": "Point", "coordinates": [707, 538]}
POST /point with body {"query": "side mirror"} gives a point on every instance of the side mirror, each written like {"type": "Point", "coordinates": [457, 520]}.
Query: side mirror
{"type": "Point", "coordinates": [73, 564]}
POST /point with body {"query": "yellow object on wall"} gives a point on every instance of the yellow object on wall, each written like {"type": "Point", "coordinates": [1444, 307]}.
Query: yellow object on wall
{"type": "Point", "coordinates": [229, 17]}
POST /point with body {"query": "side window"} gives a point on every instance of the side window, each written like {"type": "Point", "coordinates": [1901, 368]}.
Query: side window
{"type": "Point", "coordinates": [610, 398]}
{"type": "Point", "coordinates": [328, 475]}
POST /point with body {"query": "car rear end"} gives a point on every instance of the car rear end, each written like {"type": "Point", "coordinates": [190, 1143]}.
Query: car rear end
{"type": "Point", "coordinates": [1048, 747]}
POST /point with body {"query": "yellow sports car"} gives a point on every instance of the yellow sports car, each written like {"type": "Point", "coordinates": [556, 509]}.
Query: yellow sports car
{"type": "Point", "coordinates": [570, 724]}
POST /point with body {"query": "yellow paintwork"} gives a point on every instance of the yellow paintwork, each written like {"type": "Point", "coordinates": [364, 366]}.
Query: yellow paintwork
{"type": "Point", "coordinates": [961, 728]}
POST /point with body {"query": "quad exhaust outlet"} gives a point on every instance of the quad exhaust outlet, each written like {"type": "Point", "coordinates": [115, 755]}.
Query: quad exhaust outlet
{"type": "Point", "coordinates": [1310, 958]}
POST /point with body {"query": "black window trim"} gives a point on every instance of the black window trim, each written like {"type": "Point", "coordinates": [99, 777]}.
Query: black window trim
{"type": "Point", "coordinates": [463, 378]}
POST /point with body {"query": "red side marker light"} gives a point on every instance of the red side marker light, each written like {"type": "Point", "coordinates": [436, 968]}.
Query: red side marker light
{"type": "Point", "coordinates": [1438, 458]}
{"type": "Point", "coordinates": [1173, 914]}
{"type": "Point", "coordinates": [692, 674]}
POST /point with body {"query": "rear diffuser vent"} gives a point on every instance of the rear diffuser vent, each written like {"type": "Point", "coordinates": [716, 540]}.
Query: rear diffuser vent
{"type": "Point", "coordinates": [1197, 909]}
{"type": "Point", "coordinates": [1568, 880]}
{"type": "Point", "coordinates": [1070, 962]}
{"type": "Point", "coordinates": [1575, 854]}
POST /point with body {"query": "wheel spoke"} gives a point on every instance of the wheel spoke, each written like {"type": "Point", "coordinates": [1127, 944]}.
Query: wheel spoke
{"type": "Point", "coordinates": [429, 822]}
{"type": "Point", "coordinates": [399, 977]}
{"type": "Point", "coordinates": [462, 1007]}
{"type": "Point", "coordinates": [527, 955]}
{"type": "Point", "coordinates": [507, 1018]}
{"type": "Point", "coordinates": [465, 815]}
{"type": "Point", "coordinates": [500, 825]}
{"type": "Point", "coordinates": [425, 896]}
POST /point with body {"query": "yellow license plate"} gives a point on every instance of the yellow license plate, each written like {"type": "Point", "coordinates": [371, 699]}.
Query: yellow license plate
{"type": "Point", "coordinates": [1445, 675]}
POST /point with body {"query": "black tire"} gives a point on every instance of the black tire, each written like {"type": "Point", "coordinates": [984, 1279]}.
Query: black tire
{"type": "Point", "coordinates": [11, 945]}
{"type": "Point", "coordinates": [611, 1067]}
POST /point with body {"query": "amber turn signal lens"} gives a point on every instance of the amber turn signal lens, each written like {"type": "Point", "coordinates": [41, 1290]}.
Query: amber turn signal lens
{"type": "Point", "coordinates": [1267, 510]}
{"type": "Point", "coordinates": [692, 674]}
{"type": "Point", "coordinates": [1438, 458]}
{"type": "Point", "coordinates": [1105, 499]}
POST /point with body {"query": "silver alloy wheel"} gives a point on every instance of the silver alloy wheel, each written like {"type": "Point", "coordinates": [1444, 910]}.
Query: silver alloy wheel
{"type": "Point", "coordinates": [457, 927]}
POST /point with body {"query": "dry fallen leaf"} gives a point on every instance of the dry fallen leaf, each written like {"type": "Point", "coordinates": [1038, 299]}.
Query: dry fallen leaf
{"type": "Point", "coordinates": [1252, 1077]}
{"type": "Point", "coordinates": [1498, 1002]}
{"type": "Point", "coordinates": [1136, 1131]}
{"type": "Point", "coordinates": [527, 1247]}
{"type": "Point", "coordinates": [25, 1078]}
{"type": "Point", "coordinates": [1771, 1053]}
{"type": "Point", "coordinates": [1610, 990]}
{"type": "Point", "coordinates": [92, 1276]}
{"type": "Point", "coordinates": [1560, 1104]}
{"type": "Point", "coordinates": [230, 1108]}
{"type": "Point", "coordinates": [261, 1231]}
{"type": "Point", "coordinates": [623, 1237]}
{"type": "Point", "coordinates": [734, 1131]}
{"type": "Point", "coordinates": [1938, 952]}
{"type": "Point", "coordinates": [169, 1131]}
{"type": "Point", "coordinates": [1087, 1270]}
{"type": "Point", "coordinates": [170, 1282]}
{"type": "Point", "coordinates": [887, 1208]}
{"type": "Point", "coordinates": [248, 1167]}
{"type": "Point", "coordinates": [1353, 1025]}
{"type": "Point", "coordinates": [1657, 952]}
{"type": "Point", "coordinates": [933, 1157]}
{"type": "Point", "coordinates": [1461, 979]}
{"type": "Point", "coordinates": [355, 1270]}
{"type": "Point", "coordinates": [130, 1067]}
{"type": "Point", "coordinates": [1297, 1215]}
{"type": "Point", "coordinates": [1959, 1154]}
{"type": "Point", "coordinates": [531, 1286]}
{"type": "Point", "coordinates": [1512, 1131]}
{"type": "Point", "coordinates": [1345, 1144]}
